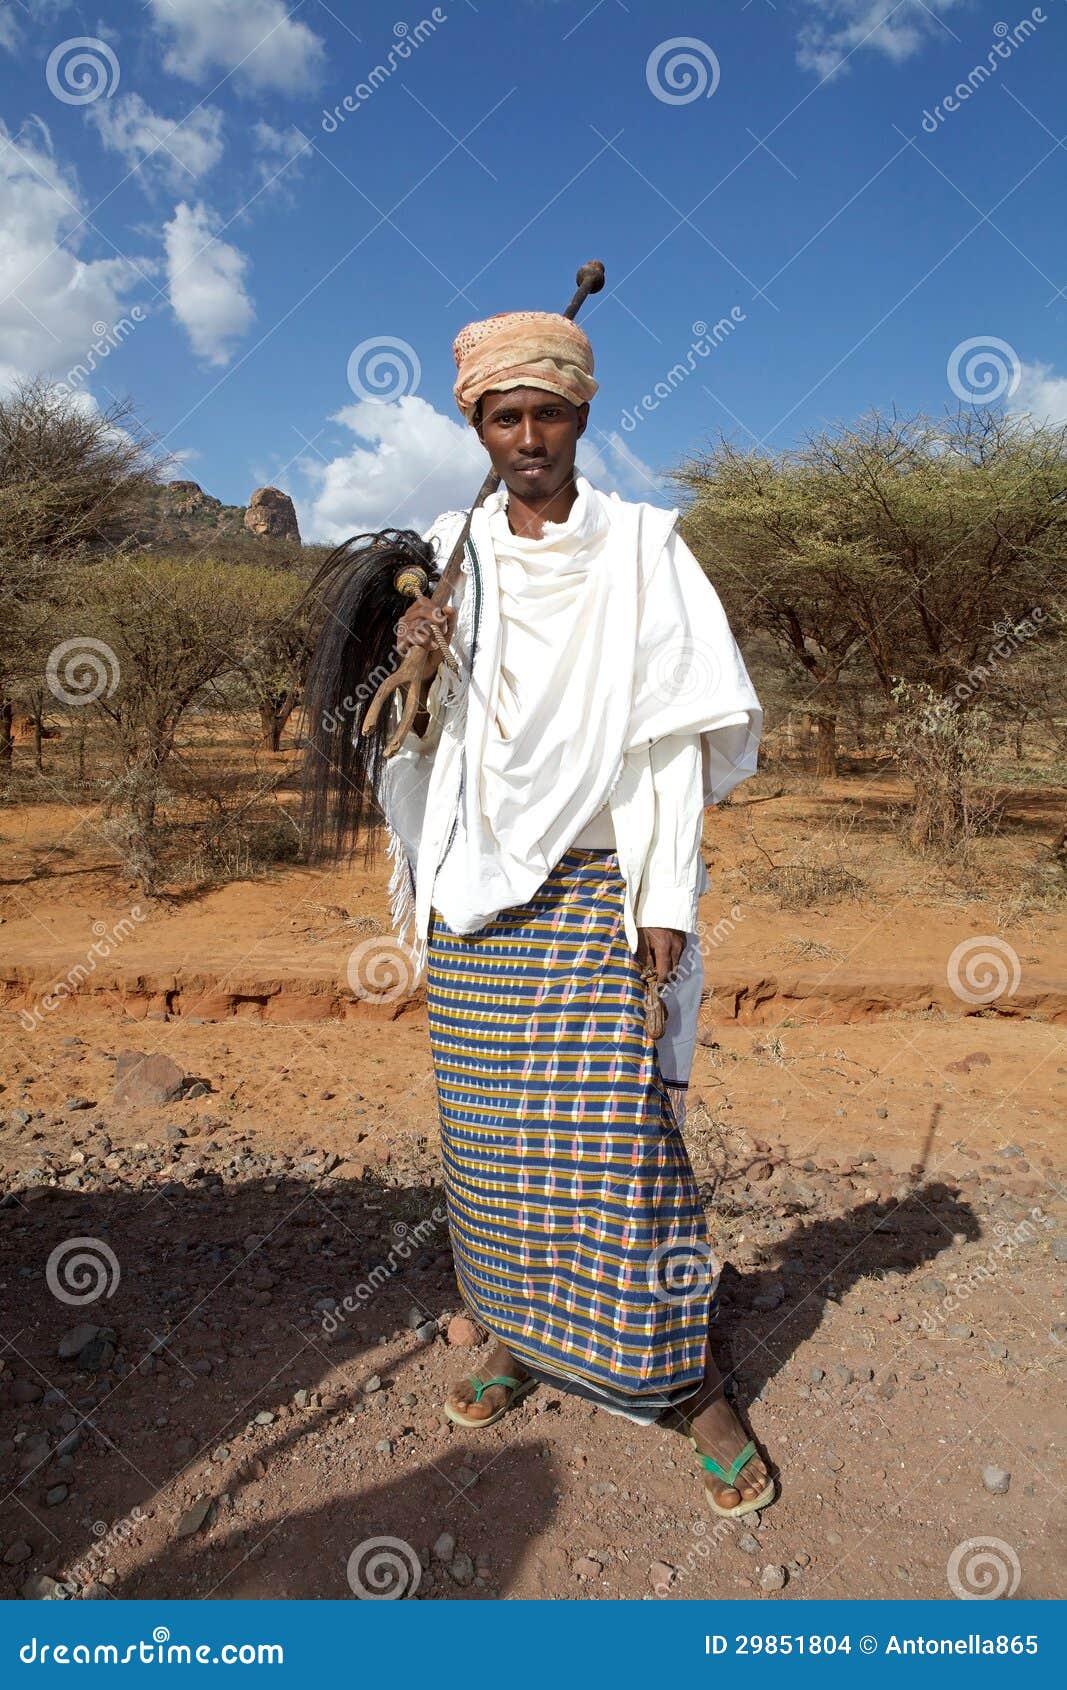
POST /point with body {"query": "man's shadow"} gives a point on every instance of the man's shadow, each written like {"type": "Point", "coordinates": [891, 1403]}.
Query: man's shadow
{"type": "Point", "coordinates": [218, 1315]}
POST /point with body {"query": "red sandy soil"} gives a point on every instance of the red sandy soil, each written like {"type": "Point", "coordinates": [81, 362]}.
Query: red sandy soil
{"type": "Point", "coordinates": [930, 1297]}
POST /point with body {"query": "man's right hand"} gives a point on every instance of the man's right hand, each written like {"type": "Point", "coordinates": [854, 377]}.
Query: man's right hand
{"type": "Point", "coordinates": [413, 629]}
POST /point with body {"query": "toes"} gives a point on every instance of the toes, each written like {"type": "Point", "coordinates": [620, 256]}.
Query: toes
{"type": "Point", "coordinates": [726, 1496]}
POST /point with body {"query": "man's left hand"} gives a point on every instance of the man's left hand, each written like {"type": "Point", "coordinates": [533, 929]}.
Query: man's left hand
{"type": "Point", "coordinates": [663, 947]}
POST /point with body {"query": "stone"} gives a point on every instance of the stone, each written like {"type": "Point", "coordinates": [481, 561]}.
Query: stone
{"type": "Point", "coordinates": [73, 1342]}
{"type": "Point", "coordinates": [38, 1588]}
{"type": "Point", "coordinates": [661, 1576]}
{"type": "Point", "coordinates": [960, 1331]}
{"type": "Point", "coordinates": [444, 1548]}
{"type": "Point", "coordinates": [25, 1391]}
{"type": "Point", "coordinates": [464, 1333]}
{"type": "Point", "coordinates": [194, 1517]}
{"type": "Point", "coordinates": [996, 1480]}
{"type": "Point", "coordinates": [842, 1374]}
{"type": "Point", "coordinates": [771, 1297]}
{"type": "Point", "coordinates": [56, 1495]}
{"type": "Point", "coordinates": [271, 515]}
{"type": "Point", "coordinates": [16, 1552]}
{"type": "Point", "coordinates": [79, 1103]}
{"type": "Point", "coordinates": [816, 1376]}
{"type": "Point", "coordinates": [1059, 1249]}
{"type": "Point", "coordinates": [383, 1447]}
{"type": "Point", "coordinates": [772, 1578]}
{"type": "Point", "coordinates": [461, 1569]}
{"type": "Point", "coordinates": [264, 1418]}
{"type": "Point", "coordinates": [144, 1080]}
{"type": "Point", "coordinates": [749, 1543]}
{"type": "Point", "coordinates": [374, 1383]}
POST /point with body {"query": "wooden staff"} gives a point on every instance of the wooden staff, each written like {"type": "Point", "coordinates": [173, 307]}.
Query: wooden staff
{"type": "Point", "coordinates": [411, 672]}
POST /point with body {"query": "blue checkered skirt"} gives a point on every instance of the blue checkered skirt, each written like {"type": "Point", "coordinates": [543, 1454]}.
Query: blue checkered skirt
{"type": "Point", "coordinates": [577, 1229]}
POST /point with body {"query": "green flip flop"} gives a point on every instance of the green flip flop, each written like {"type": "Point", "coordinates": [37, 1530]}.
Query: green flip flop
{"type": "Point", "coordinates": [518, 1388]}
{"type": "Point", "coordinates": [729, 1476]}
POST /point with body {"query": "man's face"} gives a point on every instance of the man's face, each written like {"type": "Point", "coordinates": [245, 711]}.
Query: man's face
{"type": "Point", "coordinates": [531, 436]}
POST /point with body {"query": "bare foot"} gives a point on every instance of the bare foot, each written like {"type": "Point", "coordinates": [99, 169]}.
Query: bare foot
{"type": "Point", "coordinates": [500, 1362]}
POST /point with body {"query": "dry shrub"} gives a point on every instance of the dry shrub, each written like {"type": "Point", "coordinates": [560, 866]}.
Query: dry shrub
{"type": "Point", "coordinates": [796, 886]}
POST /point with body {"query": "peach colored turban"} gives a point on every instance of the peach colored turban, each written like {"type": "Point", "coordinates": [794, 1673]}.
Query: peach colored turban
{"type": "Point", "coordinates": [522, 349]}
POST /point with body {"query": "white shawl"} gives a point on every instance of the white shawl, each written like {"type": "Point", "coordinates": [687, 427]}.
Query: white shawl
{"type": "Point", "coordinates": [590, 644]}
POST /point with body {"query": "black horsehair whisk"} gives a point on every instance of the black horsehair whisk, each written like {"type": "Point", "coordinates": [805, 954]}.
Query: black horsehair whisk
{"type": "Point", "coordinates": [357, 596]}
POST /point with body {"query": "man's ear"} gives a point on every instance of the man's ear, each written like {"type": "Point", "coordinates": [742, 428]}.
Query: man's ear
{"type": "Point", "coordinates": [583, 417]}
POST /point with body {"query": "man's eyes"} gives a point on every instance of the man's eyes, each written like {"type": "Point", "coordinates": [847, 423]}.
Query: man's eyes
{"type": "Point", "coordinates": [507, 418]}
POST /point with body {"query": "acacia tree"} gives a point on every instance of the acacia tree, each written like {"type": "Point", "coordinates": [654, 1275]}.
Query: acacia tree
{"type": "Point", "coordinates": [931, 550]}
{"type": "Point", "coordinates": [273, 653]}
{"type": "Point", "coordinates": [67, 473]}
{"type": "Point", "coordinates": [152, 635]}
{"type": "Point", "coordinates": [755, 523]}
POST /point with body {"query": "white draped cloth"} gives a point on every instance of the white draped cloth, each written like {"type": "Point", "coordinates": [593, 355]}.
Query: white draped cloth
{"type": "Point", "coordinates": [604, 669]}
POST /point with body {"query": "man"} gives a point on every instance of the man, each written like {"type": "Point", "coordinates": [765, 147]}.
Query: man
{"type": "Point", "coordinates": [545, 817]}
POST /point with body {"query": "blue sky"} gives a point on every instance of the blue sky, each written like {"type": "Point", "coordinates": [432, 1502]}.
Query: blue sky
{"type": "Point", "coordinates": [190, 216]}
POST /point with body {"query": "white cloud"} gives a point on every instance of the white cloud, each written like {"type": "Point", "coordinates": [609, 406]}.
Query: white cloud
{"type": "Point", "coordinates": [1041, 396]}
{"type": "Point", "coordinates": [8, 31]}
{"type": "Point", "coordinates": [279, 154]}
{"type": "Point", "coordinates": [895, 28]}
{"type": "Point", "coordinates": [412, 462]}
{"type": "Point", "coordinates": [53, 304]}
{"type": "Point", "coordinates": [257, 40]}
{"type": "Point", "coordinates": [179, 150]}
{"type": "Point", "coordinates": [206, 282]}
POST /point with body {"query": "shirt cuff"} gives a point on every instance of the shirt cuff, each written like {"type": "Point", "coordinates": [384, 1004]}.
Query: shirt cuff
{"type": "Point", "coordinates": [667, 906]}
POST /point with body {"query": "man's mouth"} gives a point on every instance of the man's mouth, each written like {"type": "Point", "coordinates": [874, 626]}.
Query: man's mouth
{"type": "Point", "coordinates": [533, 469]}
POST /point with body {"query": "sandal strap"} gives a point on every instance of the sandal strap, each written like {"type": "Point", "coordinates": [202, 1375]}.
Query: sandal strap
{"type": "Point", "coordinates": [729, 1474]}
{"type": "Point", "coordinates": [481, 1386]}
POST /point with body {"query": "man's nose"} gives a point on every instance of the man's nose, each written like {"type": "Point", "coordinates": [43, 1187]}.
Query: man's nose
{"type": "Point", "coordinates": [530, 436]}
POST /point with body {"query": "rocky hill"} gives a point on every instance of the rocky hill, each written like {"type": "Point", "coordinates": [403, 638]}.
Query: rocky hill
{"type": "Point", "coordinates": [177, 515]}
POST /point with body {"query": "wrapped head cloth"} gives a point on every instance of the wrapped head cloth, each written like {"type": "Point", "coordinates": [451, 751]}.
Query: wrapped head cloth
{"type": "Point", "coordinates": [522, 349]}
